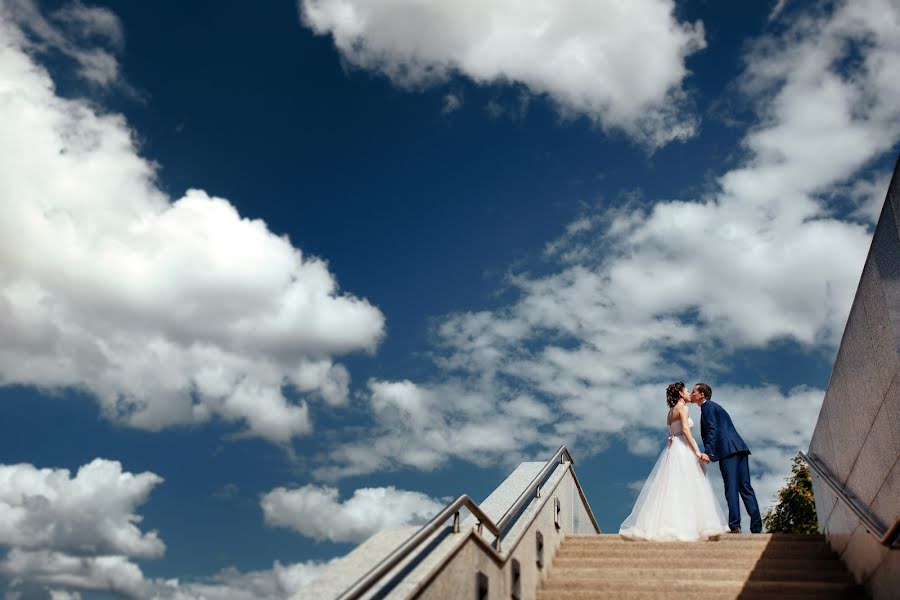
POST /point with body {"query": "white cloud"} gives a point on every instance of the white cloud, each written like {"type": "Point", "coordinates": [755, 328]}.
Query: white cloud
{"type": "Point", "coordinates": [91, 22]}
{"type": "Point", "coordinates": [620, 65]}
{"type": "Point", "coordinates": [463, 419]}
{"type": "Point", "coordinates": [67, 533]}
{"type": "Point", "coordinates": [867, 196]}
{"type": "Point", "coordinates": [90, 513]}
{"type": "Point", "coordinates": [169, 312]}
{"type": "Point", "coordinates": [277, 583]}
{"type": "Point", "coordinates": [18, 590]}
{"type": "Point", "coordinates": [74, 30]}
{"type": "Point", "coordinates": [639, 297]}
{"type": "Point", "coordinates": [318, 513]}
{"type": "Point", "coordinates": [114, 574]}
{"type": "Point", "coordinates": [56, 576]}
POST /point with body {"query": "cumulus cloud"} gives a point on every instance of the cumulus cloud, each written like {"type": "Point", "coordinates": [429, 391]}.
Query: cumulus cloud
{"type": "Point", "coordinates": [68, 533]}
{"type": "Point", "coordinates": [90, 513]}
{"type": "Point", "coordinates": [56, 576]}
{"type": "Point", "coordinates": [114, 574]}
{"type": "Point", "coordinates": [638, 297]}
{"type": "Point", "coordinates": [170, 312]}
{"type": "Point", "coordinates": [480, 421]}
{"type": "Point", "coordinates": [620, 65]}
{"type": "Point", "coordinates": [20, 591]}
{"type": "Point", "coordinates": [277, 583]}
{"type": "Point", "coordinates": [318, 513]}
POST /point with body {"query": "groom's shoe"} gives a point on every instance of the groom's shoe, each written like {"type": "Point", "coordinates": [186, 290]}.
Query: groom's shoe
{"type": "Point", "coordinates": [737, 531]}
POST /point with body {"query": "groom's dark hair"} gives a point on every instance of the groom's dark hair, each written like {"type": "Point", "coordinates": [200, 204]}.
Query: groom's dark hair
{"type": "Point", "coordinates": [705, 390]}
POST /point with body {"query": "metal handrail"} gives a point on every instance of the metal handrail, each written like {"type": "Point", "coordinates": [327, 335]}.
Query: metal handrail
{"type": "Point", "coordinates": [401, 552]}
{"type": "Point", "coordinates": [886, 536]}
{"type": "Point", "coordinates": [534, 490]}
{"type": "Point", "coordinates": [365, 582]}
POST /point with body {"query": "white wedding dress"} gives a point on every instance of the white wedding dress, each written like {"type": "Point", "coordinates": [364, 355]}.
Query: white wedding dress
{"type": "Point", "coordinates": [676, 502]}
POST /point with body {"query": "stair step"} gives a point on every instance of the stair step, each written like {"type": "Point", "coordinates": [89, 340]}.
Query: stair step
{"type": "Point", "coordinates": [626, 594]}
{"type": "Point", "coordinates": [724, 563]}
{"type": "Point", "coordinates": [729, 542]}
{"type": "Point", "coordinates": [757, 566]}
{"type": "Point", "coordinates": [714, 573]}
{"type": "Point", "coordinates": [691, 586]}
{"type": "Point", "coordinates": [744, 537]}
{"type": "Point", "coordinates": [676, 554]}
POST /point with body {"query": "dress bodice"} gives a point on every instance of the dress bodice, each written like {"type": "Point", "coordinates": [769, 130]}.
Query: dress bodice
{"type": "Point", "coordinates": [675, 426]}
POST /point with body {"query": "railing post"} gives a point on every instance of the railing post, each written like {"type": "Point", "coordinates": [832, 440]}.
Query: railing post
{"type": "Point", "coordinates": [456, 522]}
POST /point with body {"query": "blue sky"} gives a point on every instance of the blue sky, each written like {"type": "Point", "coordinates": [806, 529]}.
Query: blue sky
{"type": "Point", "coordinates": [275, 276]}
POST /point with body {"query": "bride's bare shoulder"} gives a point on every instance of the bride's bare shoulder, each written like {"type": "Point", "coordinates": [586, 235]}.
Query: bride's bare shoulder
{"type": "Point", "coordinates": [674, 414]}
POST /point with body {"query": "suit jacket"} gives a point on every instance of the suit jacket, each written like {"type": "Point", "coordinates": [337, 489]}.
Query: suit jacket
{"type": "Point", "coordinates": [720, 438]}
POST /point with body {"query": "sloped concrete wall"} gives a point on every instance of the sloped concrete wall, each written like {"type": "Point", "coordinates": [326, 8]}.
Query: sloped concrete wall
{"type": "Point", "coordinates": [857, 436]}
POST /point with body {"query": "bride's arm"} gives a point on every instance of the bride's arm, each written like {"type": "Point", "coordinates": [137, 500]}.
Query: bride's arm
{"type": "Point", "coordinates": [686, 430]}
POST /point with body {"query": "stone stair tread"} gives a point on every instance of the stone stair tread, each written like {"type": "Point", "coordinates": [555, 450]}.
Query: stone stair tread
{"type": "Point", "coordinates": [705, 573]}
{"type": "Point", "coordinates": [670, 555]}
{"type": "Point", "coordinates": [732, 539]}
{"type": "Point", "coordinates": [698, 546]}
{"type": "Point", "coordinates": [707, 544]}
{"type": "Point", "coordinates": [624, 594]}
{"type": "Point", "coordinates": [689, 585]}
{"type": "Point", "coordinates": [754, 537]}
{"type": "Point", "coordinates": [760, 552]}
{"type": "Point", "coordinates": [725, 563]}
{"type": "Point", "coordinates": [588, 567]}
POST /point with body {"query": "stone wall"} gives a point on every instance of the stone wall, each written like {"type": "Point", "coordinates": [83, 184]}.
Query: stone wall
{"type": "Point", "coordinates": [857, 436]}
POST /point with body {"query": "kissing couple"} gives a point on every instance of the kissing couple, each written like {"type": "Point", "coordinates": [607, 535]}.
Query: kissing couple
{"type": "Point", "coordinates": [677, 501]}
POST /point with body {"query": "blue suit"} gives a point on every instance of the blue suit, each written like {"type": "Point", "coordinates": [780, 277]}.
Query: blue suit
{"type": "Point", "coordinates": [723, 445]}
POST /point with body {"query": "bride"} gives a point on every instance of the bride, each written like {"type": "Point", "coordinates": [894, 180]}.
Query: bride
{"type": "Point", "coordinates": [676, 502]}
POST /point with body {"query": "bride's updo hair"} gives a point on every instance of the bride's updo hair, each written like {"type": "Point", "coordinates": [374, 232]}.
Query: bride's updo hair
{"type": "Point", "coordinates": [673, 394]}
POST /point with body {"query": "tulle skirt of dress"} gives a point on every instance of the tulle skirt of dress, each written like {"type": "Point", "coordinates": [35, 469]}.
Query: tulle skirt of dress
{"type": "Point", "coordinates": [677, 501]}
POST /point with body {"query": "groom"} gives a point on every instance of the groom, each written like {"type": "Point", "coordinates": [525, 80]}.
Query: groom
{"type": "Point", "coordinates": [723, 444]}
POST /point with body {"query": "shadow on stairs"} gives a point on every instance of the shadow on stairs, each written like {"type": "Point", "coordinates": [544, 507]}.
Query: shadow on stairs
{"type": "Point", "coordinates": [735, 566]}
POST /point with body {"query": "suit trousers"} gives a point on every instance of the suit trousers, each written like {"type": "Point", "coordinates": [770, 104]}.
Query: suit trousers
{"type": "Point", "coordinates": [736, 476]}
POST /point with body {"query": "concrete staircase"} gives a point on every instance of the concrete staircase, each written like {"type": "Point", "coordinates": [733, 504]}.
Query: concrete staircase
{"type": "Point", "coordinates": [737, 566]}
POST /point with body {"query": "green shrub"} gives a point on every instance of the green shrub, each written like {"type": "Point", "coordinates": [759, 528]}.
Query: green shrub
{"type": "Point", "coordinates": [795, 511]}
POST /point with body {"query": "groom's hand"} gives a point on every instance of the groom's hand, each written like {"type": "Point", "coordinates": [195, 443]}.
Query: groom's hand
{"type": "Point", "coordinates": [704, 457]}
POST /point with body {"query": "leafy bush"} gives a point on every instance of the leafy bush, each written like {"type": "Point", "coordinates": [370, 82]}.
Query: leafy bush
{"type": "Point", "coordinates": [796, 508]}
